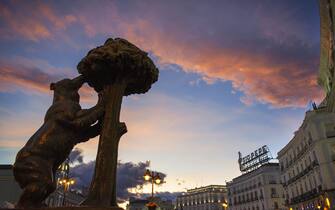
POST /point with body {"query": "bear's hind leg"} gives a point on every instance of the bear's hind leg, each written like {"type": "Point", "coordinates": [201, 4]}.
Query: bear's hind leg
{"type": "Point", "coordinates": [34, 194]}
{"type": "Point", "coordinates": [35, 177]}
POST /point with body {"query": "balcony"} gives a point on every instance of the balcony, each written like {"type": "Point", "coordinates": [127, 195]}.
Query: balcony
{"type": "Point", "coordinates": [301, 153]}
{"type": "Point", "coordinates": [330, 134]}
{"type": "Point", "coordinates": [244, 201]}
{"type": "Point", "coordinates": [302, 173]}
{"type": "Point", "coordinates": [304, 197]}
{"type": "Point", "coordinates": [274, 195]}
{"type": "Point", "coordinates": [287, 202]}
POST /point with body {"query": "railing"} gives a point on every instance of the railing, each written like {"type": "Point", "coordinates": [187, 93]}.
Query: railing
{"type": "Point", "coordinates": [301, 153]}
{"type": "Point", "coordinates": [274, 195]}
{"type": "Point", "coordinates": [247, 200]}
{"type": "Point", "coordinates": [248, 188]}
{"type": "Point", "coordinates": [301, 174]}
{"type": "Point", "coordinates": [304, 197]}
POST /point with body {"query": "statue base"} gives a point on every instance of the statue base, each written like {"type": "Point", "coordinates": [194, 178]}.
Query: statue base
{"type": "Point", "coordinates": [71, 208]}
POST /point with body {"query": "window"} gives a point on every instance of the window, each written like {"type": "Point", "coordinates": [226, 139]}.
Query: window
{"type": "Point", "coordinates": [309, 138]}
{"type": "Point", "coordinates": [306, 188]}
{"type": "Point", "coordinates": [333, 152]}
{"type": "Point", "coordinates": [314, 156]}
{"type": "Point", "coordinates": [273, 193]}
{"type": "Point", "coordinates": [276, 205]}
{"type": "Point", "coordinates": [330, 130]}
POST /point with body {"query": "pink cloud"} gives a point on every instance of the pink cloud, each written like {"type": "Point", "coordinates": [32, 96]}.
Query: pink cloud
{"type": "Point", "coordinates": [276, 67]}
{"type": "Point", "coordinates": [257, 76]}
{"type": "Point", "coordinates": [42, 23]}
{"type": "Point", "coordinates": [27, 75]}
{"type": "Point", "coordinates": [28, 28]}
{"type": "Point", "coordinates": [265, 74]}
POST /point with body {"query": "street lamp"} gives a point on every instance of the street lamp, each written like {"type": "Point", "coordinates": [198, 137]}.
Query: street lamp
{"type": "Point", "coordinates": [155, 179]}
{"type": "Point", "coordinates": [66, 182]}
{"type": "Point", "coordinates": [327, 202]}
{"type": "Point", "coordinates": [225, 205]}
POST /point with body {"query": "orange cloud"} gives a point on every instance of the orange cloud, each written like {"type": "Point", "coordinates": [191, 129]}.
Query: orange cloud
{"type": "Point", "coordinates": [42, 23]}
{"type": "Point", "coordinates": [263, 68]}
{"type": "Point", "coordinates": [291, 84]}
{"type": "Point", "coordinates": [28, 28]}
{"type": "Point", "coordinates": [26, 77]}
{"type": "Point", "coordinates": [264, 72]}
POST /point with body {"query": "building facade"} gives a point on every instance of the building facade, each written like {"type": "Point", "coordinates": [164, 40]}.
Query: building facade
{"type": "Point", "coordinates": [63, 195]}
{"type": "Point", "coordinates": [259, 189]}
{"type": "Point", "coordinates": [307, 163]}
{"type": "Point", "coordinates": [57, 199]}
{"type": "Point", "coordinates": [10, 192]}
{"type": "Point", "coordinates": [210, 197]}
{"type": "Point", "coordinates": [9, 189]}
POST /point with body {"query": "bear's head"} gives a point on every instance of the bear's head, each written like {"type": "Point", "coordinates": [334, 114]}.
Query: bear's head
{"type": "Point", "coordinates": [67, 89]}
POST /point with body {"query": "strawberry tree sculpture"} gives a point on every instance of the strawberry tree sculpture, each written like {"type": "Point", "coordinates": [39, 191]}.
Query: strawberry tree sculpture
{"type": "Point", "coordinates": [117, 68]}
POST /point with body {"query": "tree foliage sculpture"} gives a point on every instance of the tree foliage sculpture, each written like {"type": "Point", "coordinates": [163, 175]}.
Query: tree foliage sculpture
{"type": "Point", "coordinates": [118, 68]}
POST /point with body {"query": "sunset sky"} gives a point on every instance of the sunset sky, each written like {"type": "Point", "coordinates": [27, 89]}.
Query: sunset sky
{"type": "Point", "coordinates": [234, 75]}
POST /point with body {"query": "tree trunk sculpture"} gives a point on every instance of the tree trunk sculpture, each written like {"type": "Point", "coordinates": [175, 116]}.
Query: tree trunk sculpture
{"type": "Point", "coordinates": [117, 69]}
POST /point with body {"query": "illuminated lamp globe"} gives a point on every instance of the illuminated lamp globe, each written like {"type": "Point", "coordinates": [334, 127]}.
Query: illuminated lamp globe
{"type": "Point", "coordinates": [158, 179]}
{"type": "Point", "coordinates": [147, 175]}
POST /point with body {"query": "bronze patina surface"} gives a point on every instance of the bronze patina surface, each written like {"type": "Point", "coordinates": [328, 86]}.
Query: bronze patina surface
{"type": "Point", "coordinates": [65, 125]}
{"type": "Point", "coordinates": [115, 69]}
{"type": "Point", "coordinates": [119, 68]}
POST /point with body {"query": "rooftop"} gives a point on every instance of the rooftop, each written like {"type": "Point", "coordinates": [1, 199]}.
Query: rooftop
{"type": "Point", "coordinates": [6, 166]}
{"type": "Point", "coordinates": [254, 172]}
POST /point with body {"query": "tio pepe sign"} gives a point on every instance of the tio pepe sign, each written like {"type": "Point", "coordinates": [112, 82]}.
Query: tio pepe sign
{"type": "Point", "coordinates": [254, 159]}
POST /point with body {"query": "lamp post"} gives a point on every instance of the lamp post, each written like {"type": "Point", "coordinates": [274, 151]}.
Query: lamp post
{"type": "Point", "coordinates": [66, 182]}
{"type": "Point", "coordinates": [155, 179]}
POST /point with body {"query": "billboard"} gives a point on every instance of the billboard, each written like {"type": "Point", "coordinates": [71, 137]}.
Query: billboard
{"type": "Point", "coordinates": [255, 159]}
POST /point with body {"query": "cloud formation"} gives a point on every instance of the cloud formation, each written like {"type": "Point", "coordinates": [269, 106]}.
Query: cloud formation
{"type": "Point", "coordinates": [20, 73]}
{"type": "Point", "coordinates": [129, 176]}
{"type": "Point", "coordinates": [268, 53]}
{"type": "Point", "coordinates": [35, 76]}
{"type": "Point", "coordinates": [76, 156]}
{"type": "Point", "coordinates": [33, 21]}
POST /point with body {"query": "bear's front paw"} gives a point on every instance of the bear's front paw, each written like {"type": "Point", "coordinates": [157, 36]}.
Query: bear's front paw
{"type": "Point", "coordinates": [122, 128]}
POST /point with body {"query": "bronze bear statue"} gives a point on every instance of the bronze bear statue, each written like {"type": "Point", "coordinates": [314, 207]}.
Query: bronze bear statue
{"type": "Point", "coordinates": [65, 125]}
